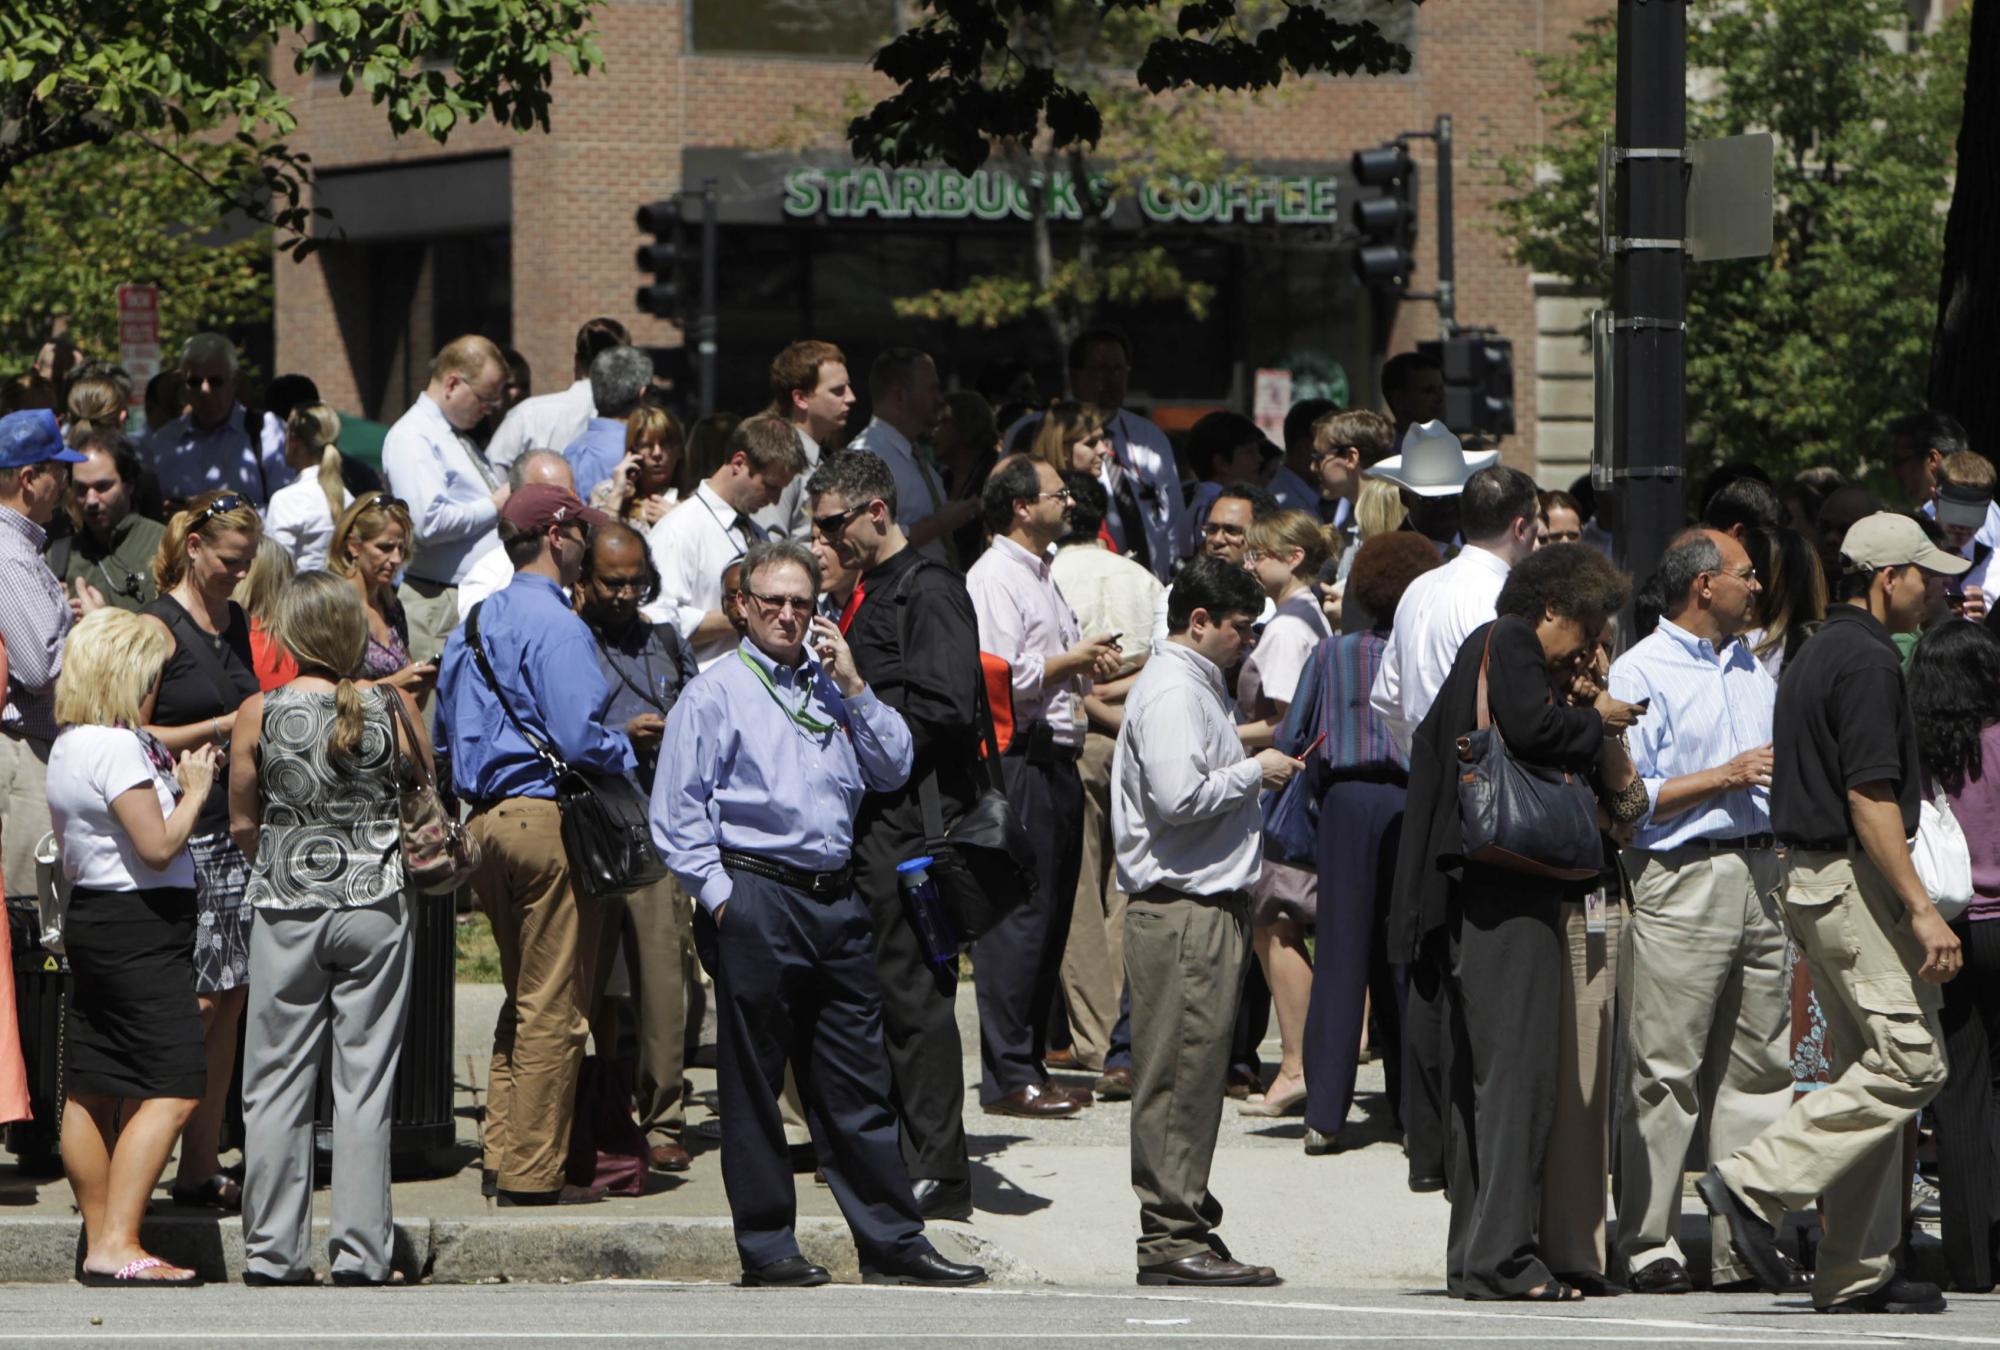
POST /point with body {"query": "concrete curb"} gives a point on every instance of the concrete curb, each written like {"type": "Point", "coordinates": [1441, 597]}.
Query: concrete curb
{"type": "Point", "coordinates": [495, 1250]}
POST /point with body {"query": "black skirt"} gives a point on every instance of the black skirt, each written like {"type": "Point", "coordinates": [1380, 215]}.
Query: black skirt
{"type": "Point", "coordinates": [134, 1024]}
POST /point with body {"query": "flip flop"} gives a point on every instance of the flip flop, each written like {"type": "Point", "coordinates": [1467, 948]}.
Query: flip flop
{"type": "Point", "coordinates": [1555, 1291]}
{"type": "Point", "coordinates": [128, 1276]}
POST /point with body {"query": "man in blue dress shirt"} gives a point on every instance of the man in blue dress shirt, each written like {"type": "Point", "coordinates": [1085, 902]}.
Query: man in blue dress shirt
{"type": "Point", "coordinates": [767, 757]}
{"type": "Point", "coordinates": [545, 662]}
{"type": "Point", "coordinates": [619, 378]}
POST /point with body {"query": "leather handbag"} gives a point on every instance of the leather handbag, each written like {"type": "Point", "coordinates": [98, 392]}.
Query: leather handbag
{"type": "Point", "coordinates": [1291, 813]}
{"type": "Point", "coordinates": [984, 864]}
{"type": "Point", "coordinates": [439, 854]}
{"type": "Point", "coordinates": [1522, 817]}
{"type": "Point", "coordinates": [606, 833]}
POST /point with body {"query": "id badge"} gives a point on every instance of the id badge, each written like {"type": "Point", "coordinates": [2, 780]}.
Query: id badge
{"type": "Point", "coordinates": [1593, 911]}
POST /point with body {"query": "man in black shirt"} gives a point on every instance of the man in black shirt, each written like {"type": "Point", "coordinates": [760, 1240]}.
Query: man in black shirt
{"type": "Point", "coordinates": [915, 639]}
{"type": "Point", "coordinates": [645, 666]}
{"type": "Point", "coordinates": [1844, 797]}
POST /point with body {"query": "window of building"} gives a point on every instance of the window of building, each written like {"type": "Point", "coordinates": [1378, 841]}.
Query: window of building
{"type": "Point", "coordinates": [846, 29]}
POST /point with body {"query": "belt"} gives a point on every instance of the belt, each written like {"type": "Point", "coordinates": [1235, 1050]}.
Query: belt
{"type": "Point", "coordinates": [820, 885]}
{"type": "Point", "coordinates": [1162, 892]}
{"type": "Point", "coordinates": [1742, 843]}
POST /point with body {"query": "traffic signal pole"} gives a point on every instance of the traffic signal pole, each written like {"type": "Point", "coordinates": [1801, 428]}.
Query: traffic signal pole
{"type": "Point", "coordinates": [706, 324]}
{"type": "Point", "coordinates": [1447, 298]}
{"type": "Point", "coordinates": [1649, 296]}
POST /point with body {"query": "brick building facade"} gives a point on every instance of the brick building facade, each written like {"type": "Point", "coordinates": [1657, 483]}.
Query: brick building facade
{"type": "Point", "coordinates": [524, 237]}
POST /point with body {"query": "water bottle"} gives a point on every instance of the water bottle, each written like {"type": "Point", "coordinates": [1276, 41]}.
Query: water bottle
{"type": "Point", "coordinates": [936, 934]}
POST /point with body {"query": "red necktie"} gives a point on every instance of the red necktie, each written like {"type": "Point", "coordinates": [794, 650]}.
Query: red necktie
{"type": "Point", "coordinates": [853, 604]}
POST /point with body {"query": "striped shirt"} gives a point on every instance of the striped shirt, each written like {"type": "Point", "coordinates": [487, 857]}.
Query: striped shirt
{"type": "Point", "coordinates": [1708, 707]}
{"type": "Point", "coordinates": [1342, 672]}
{"type": "Point", "coordinates": [34, 621]}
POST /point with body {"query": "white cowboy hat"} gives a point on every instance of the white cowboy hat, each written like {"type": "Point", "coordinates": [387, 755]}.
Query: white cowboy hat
{"type": "Point", "coordinates": [1433, 463]}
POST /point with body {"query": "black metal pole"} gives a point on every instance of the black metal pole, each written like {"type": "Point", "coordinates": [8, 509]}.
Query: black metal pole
{"type": "Point", "coordinates": [1447, 294]}
{"type": "Point", "coordinates": [1648, 282]}
{"type": "Point", "coordinates": [705, 325]}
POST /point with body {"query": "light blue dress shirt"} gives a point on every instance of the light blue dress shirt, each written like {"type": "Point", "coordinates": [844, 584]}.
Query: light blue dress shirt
{"type": "Point", "coordinates": [738, 772]}
{"type": "Point", "coordinates": [436, 470]}
{"type": "Point", "coordinates": [546, 662]}
{"type": "Point", "coordinates": [593, 457]}
{"type": "Point", "coordinates": [1708, 707]}
{"type": "Point", "coordinates": [189, 461]}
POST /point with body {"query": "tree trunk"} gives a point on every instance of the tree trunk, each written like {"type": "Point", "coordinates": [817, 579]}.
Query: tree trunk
{"type": "Point", "coordinates": [1966, 346]}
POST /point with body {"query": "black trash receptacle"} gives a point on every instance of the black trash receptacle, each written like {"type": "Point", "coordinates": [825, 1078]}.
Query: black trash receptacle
{"type": "Point", "coordinates": [41, 1005]}
{"type": "Point", "coordinates": [423, 1128]}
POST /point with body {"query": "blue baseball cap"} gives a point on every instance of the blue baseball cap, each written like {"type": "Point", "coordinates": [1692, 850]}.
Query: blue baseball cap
{"type": "Point", "coordinates": [32, 437]}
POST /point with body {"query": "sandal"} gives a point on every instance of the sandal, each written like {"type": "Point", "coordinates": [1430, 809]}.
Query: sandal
{"type": "Point", "coordinates": [127, 1276]}
{"type": "Point", "coordinates": [1555, 1291]}
{"type": "Point", "coordinates": [218, 1192]}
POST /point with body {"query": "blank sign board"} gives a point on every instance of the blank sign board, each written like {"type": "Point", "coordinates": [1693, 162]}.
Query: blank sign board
{"type": "Point", "coordinates": [1729, 197]}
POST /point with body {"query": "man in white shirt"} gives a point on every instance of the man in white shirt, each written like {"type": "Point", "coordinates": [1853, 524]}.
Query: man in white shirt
{"type": "Point", "coordinates": [1140, 473]}
{"type": "Point", "coordinates": [454, 495]}
{"type": "Point", "coordinates": [694, 542]}
{"type": "Point", "coordinates": [811, 390]}
{"type": "Point", "coordinates": [495, 571]}
{"type": "Point", "coordinates": [1293, 484]}
{"type": "Point", "coordinates": [903, 387]}
{"type": "Point", "coordinates": [552, 421]}
{"type": "Point", "coordinates": [1189, 835]}
{"type": "Point", "coordinates": [209, 446]}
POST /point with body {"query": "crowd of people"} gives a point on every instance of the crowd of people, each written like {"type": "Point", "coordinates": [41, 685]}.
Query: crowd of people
{"type": "Point", "coordinates": [1242, 695]}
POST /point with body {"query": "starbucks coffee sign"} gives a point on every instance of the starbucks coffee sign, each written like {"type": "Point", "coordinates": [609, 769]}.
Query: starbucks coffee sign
{"type": "Point", "coordinates": [865, 192]}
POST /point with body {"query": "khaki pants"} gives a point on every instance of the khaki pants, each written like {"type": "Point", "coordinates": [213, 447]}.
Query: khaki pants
{"type": "Point", "coordinates": [1707, 1029]}
{"type": "Point", "coordinates": [431, 610]}
{"type": "Point", "coordinates": [647, 932]}
{"type": "Point", "coordinates": [1184, 961]}
{"type": "Point", "coordinates": [1843, 1143]}
{"type": "Point", "coordinates": [1573, 1178]}
{"type": "Point", "coordinates": [24, 807]}
{"type": "Point", "coordinates": [1093, 964]}
{"type": "Point", "coordinates": [547, 938]}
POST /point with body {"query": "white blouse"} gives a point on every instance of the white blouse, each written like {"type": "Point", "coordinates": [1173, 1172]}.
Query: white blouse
{"type": "Point", "coordinates": [298, 519]}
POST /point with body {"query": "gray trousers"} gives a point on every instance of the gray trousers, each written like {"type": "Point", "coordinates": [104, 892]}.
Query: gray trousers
{"type": "Point", "coordinates": [1184, 963]}
{"type": "Point", "coordinates": [318, 975]}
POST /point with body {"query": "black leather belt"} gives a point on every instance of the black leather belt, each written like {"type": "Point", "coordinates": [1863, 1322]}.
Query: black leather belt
{"type": "Point", "coordinates": [1744, 843]}
{"type": "Point", "coordinates": [819, 885]}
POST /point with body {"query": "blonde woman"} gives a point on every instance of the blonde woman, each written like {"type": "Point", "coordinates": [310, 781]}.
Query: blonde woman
{"type": "Point", "coordinates": [203, 558]}
{"type": "Point", "coordinates": [1071, 436]}
{"type": "Point", "coordinates": [313, 805]}
{"type": "Point", "coordinates": [123, 809]}
{"type": "Point", "coordinates": [370, 547]}
{"type": "Point", "coordinates": [301, 515]}
{"type": "Point", "coordinates": [258, 596]}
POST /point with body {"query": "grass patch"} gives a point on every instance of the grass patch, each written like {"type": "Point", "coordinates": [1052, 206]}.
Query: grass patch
{"type": "Point", "coordinates": [478, 954]}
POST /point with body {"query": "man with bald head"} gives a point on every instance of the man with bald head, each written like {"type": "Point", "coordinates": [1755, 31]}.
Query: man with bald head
{"type": "Point", "coordinates": [454, 495]}
{"type": "Point", "coordinates": [1709, 1011]}
{"type": "Point", "coordinates": [494, 571]}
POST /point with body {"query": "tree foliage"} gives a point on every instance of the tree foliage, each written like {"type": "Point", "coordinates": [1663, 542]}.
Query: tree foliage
{"type": "Point", "coordinates": [1115, 94]}
{"type": "Point", "coordinates": [1967, 345]}
{"type": "Point", "coordinates": [1797, 359]}
{"type": "Point", "coordinates": [82, 72]}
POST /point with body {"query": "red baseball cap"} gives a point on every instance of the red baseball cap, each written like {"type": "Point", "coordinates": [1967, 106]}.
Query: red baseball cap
{"type": "Point", "coordinates": [539, 505]}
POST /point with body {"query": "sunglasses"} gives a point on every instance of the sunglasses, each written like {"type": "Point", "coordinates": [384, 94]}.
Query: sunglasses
{"type": "Point", "coordinates": [831, 525]}
{"type": "Point", "coordinates": [777, 604]}
{"type": "Point", "coordinates": [221, 506]}
{"type": "Point", "coordinates": [382, 501]}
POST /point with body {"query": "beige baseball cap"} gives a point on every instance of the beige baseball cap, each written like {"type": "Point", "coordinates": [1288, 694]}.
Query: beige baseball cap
{"type": "Point", "coordinates": [1887, 539]}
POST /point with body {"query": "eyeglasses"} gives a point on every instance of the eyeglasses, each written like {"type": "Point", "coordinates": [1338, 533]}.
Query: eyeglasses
{"type": "Point", "coordinates": [773, 605]}
{"type": "Point", "coordinates": [1060, 494]}
{"type": "Point", "coordinates": [1252, 556]}
{"type": "Point", "coordinates": [629, 586]}
{"type": "Point", "coordinates": [835, 523]}
{"type": "Point", "coordinates": [1211, 530]}
{"type": "Point", "coordinates": [221, 506]}
{"type": "Point", "coordinates": [382, 501]}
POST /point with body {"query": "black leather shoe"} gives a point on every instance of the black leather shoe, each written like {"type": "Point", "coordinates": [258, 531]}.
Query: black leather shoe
{"type": "Point", "coordinates": [794, 1272]}
{"type": "Point", "coordinates": [1590, 1285]}
{"type": "Point", "coordinates": [1749, 1234]}
{"type": "Point", "coordinates": [489, 1182]}
{"type": "Point", "coordinates": [1664, 1276]}
{"type": "Point", "coordinates": [1206, 1268]}
{"type": "Point", "coordinates": [943, 1199]}
{"type": "Point", "coordinates": [1034, 1102]}
{"type": "Point", "coordinates": [1425, 1183]}
{"type": "Point", "coordinates": [924, 1267]}
{"type": "Point", "coordinates": [257, 1279]}
{"type": "Point", "coordinates": [568, 1195]}
{"type": "Point", "coordinates": [1900, 1295]}
{"type": "Point", "coordinates": [1798, 1280]}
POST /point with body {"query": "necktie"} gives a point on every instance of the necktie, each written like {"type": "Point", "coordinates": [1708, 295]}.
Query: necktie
{"type": "Point", "coordinates": [848, 610]}
{"type": "Point", "coordinates": [748, 529]}
{"type": "Point", "coordinates": [1137, 547]}
{"type": "Point", "coordinates": [479, 461]}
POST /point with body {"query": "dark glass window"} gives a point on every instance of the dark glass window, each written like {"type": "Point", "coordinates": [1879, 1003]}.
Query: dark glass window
{"type": "Point", "coordinates": [839, 28]}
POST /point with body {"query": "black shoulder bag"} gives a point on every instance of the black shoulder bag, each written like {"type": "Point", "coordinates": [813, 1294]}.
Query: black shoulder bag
{"type": "Point", "coordinates": [605, 831]}
{"type": "Point", "coordinates": [984, 865]}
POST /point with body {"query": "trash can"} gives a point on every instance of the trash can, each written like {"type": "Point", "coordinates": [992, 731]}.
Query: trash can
{"type": "Point", "coordinates": [423, 1129]}
{"type": "Point", "coordinates": [41, 1005]}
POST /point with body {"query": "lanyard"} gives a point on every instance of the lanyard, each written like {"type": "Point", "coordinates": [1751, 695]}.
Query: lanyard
{"type": "Point", "coordinates": [798, 714]}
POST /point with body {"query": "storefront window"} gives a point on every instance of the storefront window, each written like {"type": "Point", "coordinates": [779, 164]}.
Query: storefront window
{"type": "Point", "coordinates": [848, 28]}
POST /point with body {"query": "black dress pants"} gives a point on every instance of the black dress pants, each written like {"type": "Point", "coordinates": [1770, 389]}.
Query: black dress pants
{"type": "Point", "coordinates": [1967, 1111]}
{"type": "Point", "coordinates": [1504, 994]}
{"type": "Point", "coordinates": [795, 980]}
{"type": "Point", "coordinates": [920, 1030]}
{"type": "Point", "coordinates": [1426, 1053]}
{"type": "Point", "coordinates": [1017, 967]}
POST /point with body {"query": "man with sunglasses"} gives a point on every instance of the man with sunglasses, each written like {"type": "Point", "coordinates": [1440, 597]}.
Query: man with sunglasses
{"type": "Point", "coordinates": [915, 640]}
{"type": "Point", "coordinates": [1025, 621]}
{"type": "Point", "coordinates": [210, 446]}
{"type": "Point", "coordinates": [768, 755]}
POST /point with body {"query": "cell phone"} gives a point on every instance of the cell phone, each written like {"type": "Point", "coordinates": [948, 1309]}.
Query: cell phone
{"type": "Point", "coordinates": [1644, 705]}
{"type": "Point", "coordinates": [1307, 752]}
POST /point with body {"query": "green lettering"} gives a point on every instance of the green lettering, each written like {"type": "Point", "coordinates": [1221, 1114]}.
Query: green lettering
{"type": "Point", "coordinates": [1325, 201]}
{"type": "Point", "coordinates": [1156, 201]}
{"type": "Point", "coordinates": [871, 193]}
{"type": "Point", "coordinates": [989, 195]}
{"type": "Point", "coordinates": [802, 193]}
{"type": "Point", "coordinates": [1020, 201]}
{"type": "Point", "coordinates": [953, 203]}
{"type": "Point", "coordinates": [1063, 204]}
{"type": "Point", "coordinates": [1198, 201]}
{"type": "Point", "coordinates": [1292, 203]}
{"type": "Point", "coordinates": [913, 194]}
{"type": "Point", "coordinates": [836, 192]}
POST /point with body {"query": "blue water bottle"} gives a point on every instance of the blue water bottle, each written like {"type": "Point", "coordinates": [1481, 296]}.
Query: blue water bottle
{"type": "Point", "coordinates": [935, 932]}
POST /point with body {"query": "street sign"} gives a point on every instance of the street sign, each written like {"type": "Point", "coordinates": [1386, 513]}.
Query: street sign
{"type": "Point", "coordinates": [139, 336]}
{"type": "Point", "coordinates": [1729, 197]}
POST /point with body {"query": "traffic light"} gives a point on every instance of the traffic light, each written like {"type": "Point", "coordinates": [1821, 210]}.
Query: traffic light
{"type": "Point", "coordinates": [1478, 382]}
{"type": "Point", "coordinates": [670, 258]}
{"type": "Point", "coordinates": [1387, 223]}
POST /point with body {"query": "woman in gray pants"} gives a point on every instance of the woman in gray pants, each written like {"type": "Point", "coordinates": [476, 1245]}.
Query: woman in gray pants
{"type": "Point", "coordinates": [313, 804]}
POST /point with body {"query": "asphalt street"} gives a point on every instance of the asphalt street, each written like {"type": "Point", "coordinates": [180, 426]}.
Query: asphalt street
{"type": "Point", "coordinates": [627, 1313]}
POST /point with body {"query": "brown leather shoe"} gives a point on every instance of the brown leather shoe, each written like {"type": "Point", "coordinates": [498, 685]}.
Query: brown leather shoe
{"type": "Point", "coordinates": [1061, 1059]}
{"type": "Point", "coordinates": [669, 1157]}
{"type": "Point", "coordinates": [1114, 1085]}
{"type": "Point", "coordinates": [1209, 1269]}
{"type": "Point", "coordinates": [1037, 1101]}
{"type": "Point", "coordinates": [1082, 1095]}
